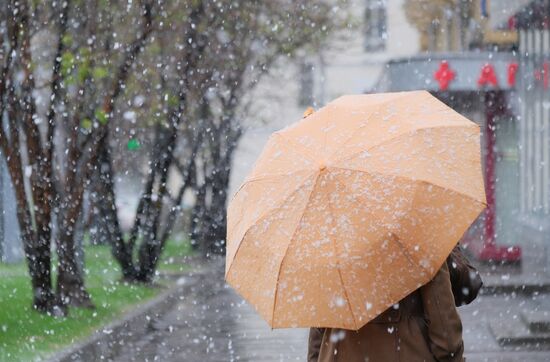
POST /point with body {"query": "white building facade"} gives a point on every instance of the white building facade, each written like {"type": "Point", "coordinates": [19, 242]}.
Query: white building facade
{"type": "Point", "coordinates": [351, 63]}
{"type": "Point", "coordinates": [355, 59]}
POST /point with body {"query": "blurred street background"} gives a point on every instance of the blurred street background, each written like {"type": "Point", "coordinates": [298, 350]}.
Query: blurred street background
{"type": "Point", "coordinates": [128, 125]}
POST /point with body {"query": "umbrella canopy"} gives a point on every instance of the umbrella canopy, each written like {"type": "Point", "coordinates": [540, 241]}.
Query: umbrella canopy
{"type": "Point", "coordinates": [352, 208]}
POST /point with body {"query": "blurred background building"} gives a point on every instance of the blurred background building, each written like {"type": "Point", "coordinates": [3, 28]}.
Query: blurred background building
{"type": "Point", "coordinates": [486, 59]}
{"type": "Point", "coordinates": [353, 62]}
{"type": "Point", "coordinates": [490, 61]}
{"type": "Point", "coordinates": [469, 60]}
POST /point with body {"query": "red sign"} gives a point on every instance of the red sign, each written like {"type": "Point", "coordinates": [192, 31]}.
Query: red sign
{"type": "Point", "coordinates": [444, 75]}
{"type": "Point", "coordinates": [487, 76]}
{"type": "Point", "coordinates": [512, 70]}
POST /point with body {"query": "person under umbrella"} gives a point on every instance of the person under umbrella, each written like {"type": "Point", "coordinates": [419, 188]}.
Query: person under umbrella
{"type": "Point", "coordinates": [424, 326]}
{"type": "Point", "coordinates": [347, 218]}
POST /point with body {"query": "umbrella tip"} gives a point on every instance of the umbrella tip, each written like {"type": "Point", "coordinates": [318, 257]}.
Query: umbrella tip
{"type": "Point", "coordinates": [308, 112]}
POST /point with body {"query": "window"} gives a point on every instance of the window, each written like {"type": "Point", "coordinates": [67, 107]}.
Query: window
{"type": "Point", "coordinates": [305, 98]}
{"type": "Point", "coordinates": [375, 25]}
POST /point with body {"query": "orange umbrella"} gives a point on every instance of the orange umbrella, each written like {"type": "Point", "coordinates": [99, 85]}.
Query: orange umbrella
{"type": "Point", "coordinates": [354, 207]}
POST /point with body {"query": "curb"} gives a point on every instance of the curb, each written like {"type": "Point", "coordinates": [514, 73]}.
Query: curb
{"type": "Point", "coordinates": [139, 319]}
{"type": "Point", "coordinates": [524, 289]}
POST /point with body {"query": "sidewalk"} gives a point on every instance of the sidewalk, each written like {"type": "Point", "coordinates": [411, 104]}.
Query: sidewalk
{"type": "Point", "coordinates": [208, 321]}
{"type": "Point", "coordinates": [491, 316]}
{"type": "Point", "coordinates": [211, 323]}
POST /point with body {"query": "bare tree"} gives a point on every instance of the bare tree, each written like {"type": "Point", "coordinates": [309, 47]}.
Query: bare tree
{"type": "Point", "coordinates": [256, 36]}
{"type": "Point", "coordinates": [49, 162]}
{"type": "Point", "coordinates": [175, 82]}
{"type": "Point", "coordinates": [196, 61]}
{"type": "Point", "coordinates": [227, 46]}
{"type": "Point", "coordinates": [27, 153]}
{"type": "Point", "coordinates": [90, 106]}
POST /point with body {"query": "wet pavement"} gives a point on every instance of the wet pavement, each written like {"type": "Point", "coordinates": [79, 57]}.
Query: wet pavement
{"type": "Point", "coordinates": [490, 316]}
{"type": "Point", "coordinates": [209, 322]}
{"type": "Point", "coordinates": [205, 320]}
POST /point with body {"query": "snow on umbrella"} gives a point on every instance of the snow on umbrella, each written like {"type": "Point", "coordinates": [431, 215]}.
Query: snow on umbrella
{"type": "Point", "coordinates": [352, 208]}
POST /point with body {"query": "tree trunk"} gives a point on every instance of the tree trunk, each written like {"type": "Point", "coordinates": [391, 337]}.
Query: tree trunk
{"type": "Point", "coordinates": [37, 249]}
{"type": "Point", "coordinates": [188, 174]}
{"type": "Point", "coordinates": [200, 220]}
{"type": "Point", "coordinates": [152, 246]}
{"type": "Point", "coordinates": [70, 278]}
{"type": "Point", "coordinates": [36, 239]}
{"type": "Point", "coordinates": [36, 244]}
{"type": "Point", "coordinates": [95, 219]}
{"type": "Point", "coordinates": [109, 217]}
{"type": "Point", "coordinates": [222, 147]}
{"type": "Point", "coordinates": [218, 227]}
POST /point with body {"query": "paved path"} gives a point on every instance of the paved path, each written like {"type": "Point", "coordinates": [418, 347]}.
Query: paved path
{"type": "Point", "coordinates": [211, 323]}
{"type": "Point", "coordinates": [206, 321]}
{"type": "Point", "coordinates": [479, 342]}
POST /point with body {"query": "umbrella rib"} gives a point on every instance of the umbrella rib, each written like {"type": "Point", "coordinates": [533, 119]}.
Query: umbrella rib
{"type": "Point", "coordinates": [401, 135]}
{"type": "Point", "coordinates": [275, 175]}
{"type": "Point", "coordinates": [266, 177]}
{"type": "Point", "coordinates": [338, 265]}
{"type": "Point", "coordinates": [374, 173]}
{"type": "Point", "coordinates": [408, 256]}
{"type": "Point", "coordinates": [406, 252]}
{"type": "Point", "coordinates": [290, 144]}
{"type": "Point", "coordinates": [263, 216]}
{"type": "Point", "coordinates": [284, 144]}
{"type": "Point", "coordinates": [288, 246]}
{"type": "Point", "coordinates": [369, 113]}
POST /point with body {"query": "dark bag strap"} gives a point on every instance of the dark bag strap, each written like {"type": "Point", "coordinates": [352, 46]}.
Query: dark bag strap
{"type": "Point", "coordinates": [465, 279]}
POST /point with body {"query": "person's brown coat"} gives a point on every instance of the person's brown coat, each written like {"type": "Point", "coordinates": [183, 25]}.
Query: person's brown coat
{"type": "Point", "coordinates": [465, 279]}
{"type": "Point", "coordinates": [424, 326]}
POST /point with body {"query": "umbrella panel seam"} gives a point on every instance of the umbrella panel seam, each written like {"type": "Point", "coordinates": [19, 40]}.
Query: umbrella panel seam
{"type": "Point", "coordinates": [300, 150]}
{"type": "Point", "coordinates": [266, 214]}
{"type": "Point", "coordinates": [401, 135]}
{"type": "Point", "coordinates": [375, 173]}
{"type": "Point", "coordinates": [368, 114]}
{"type": "Point", "coordinates": [413, 198]}
{"type": "Point", "coordinates": [410, 259]}
{"type": "Point", "coordinates": [338, 267]}
{"type": "Point", "coordinates": [288, 246]}
{"type": "Point", "coordinates": [408, 256]}
{"type": "Point", "coordinates": [266, 177]}
{"type": "Point", "coordinates": [413, 262]}
{"type": "Point", "coordinates": [274, 175]}
{"type": "Point", "coordinates": [293, 150]}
